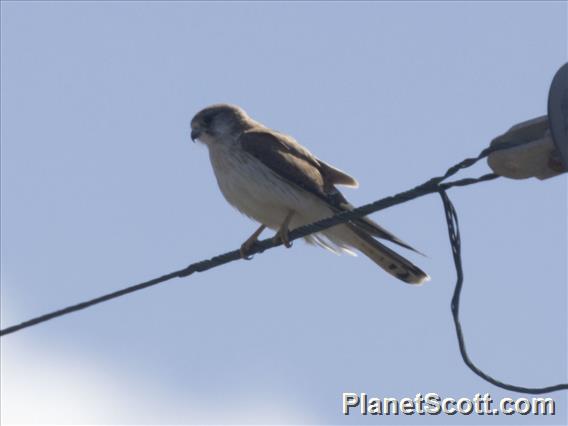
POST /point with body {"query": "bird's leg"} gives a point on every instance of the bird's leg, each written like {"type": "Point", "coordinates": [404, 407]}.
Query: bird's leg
{"type": "Point", "coordinates": [282, 233]}
{"type": "Point", "coordinates": [247, 245]}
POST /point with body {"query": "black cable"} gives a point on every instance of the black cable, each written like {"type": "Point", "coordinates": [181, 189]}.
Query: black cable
{"type": "Point", "coordinates": [455, 242]}
{"type": "Point", "coordinates": [204, 265]}
{"type": "Point", "coordinates": [433, 185]}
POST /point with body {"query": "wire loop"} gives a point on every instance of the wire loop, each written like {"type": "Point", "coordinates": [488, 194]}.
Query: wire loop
{"type": "Point", "coordinates": [455, 242]}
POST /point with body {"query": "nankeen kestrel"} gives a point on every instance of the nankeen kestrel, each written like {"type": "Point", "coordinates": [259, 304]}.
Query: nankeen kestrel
{"type": "Point", "coordinates": [273, 179]}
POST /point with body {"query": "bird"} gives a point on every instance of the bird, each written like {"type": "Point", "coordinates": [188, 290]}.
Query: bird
{"type": "Point", "coordinates": [269, 177]}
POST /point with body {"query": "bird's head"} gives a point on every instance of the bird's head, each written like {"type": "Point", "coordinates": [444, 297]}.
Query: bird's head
{"type": "Point", "coordinates": [218, 123]}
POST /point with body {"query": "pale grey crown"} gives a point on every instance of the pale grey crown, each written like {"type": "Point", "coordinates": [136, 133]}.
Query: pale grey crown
{"type": "Point", "coordinates": [220, 120]}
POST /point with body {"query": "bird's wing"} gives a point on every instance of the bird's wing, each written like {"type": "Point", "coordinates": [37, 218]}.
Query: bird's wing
{"type": "Point", "coordinates": [294, 163]}
{"type": "Point", "coordinates": [336, 176]}
{"type": "Point", "coordinates": [373, 228]}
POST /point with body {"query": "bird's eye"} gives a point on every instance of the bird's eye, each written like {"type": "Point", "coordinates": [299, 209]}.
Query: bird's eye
{"type": "Point", "coordinates": [207, 120]}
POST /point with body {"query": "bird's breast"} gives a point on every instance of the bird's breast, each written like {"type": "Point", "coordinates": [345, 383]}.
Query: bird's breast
{"type": "Point", "coordinates": [253, 188]}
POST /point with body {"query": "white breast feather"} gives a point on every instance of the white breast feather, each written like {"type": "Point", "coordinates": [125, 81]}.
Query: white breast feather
{"type": "Point", "coordinates": [258, 192]}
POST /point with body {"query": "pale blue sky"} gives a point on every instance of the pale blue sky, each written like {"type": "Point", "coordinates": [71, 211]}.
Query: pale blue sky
{"type": "Point", "coordinates": [102, 188]}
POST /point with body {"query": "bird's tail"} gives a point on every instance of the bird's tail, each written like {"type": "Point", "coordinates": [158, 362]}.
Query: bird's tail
{"type": "Point", "coordinates": [389, 260]}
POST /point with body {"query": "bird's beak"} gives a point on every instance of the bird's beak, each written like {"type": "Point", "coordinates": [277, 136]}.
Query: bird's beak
{"type": "Point", "coordinates": [195, 133]}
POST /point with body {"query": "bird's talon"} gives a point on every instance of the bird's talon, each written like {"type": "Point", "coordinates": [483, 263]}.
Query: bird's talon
{"type": "Point", "coordinates": [281, 237]}
{"type": "Point", "coordinates": [250, 243]}
{"type": "Point", "coordinates": [246, 256]}
{"type": "Point", "coordinates": [287, 242]}
{"type": "Point", "coordinates": [244, 251]}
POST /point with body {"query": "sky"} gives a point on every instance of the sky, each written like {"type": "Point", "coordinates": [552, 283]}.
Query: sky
{"type": "Point", "coordinates": [101, 188]}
